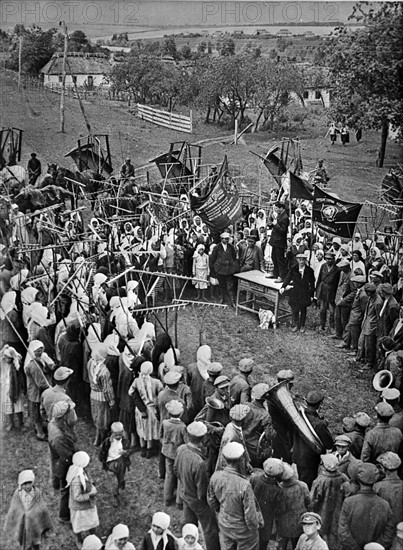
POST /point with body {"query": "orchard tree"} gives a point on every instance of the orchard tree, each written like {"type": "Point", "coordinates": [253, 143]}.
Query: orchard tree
{"type": "Point", "coordinates": [38, 46]}
{"type": "Point", "coordinates": [366, 71]}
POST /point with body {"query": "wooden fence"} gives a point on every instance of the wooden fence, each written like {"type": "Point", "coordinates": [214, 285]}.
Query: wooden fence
{"type": "Point", "coordinates": [174, 121]}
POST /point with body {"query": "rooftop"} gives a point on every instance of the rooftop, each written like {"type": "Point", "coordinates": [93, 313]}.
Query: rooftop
{"type": "Point", "coordinates": [79, 63]}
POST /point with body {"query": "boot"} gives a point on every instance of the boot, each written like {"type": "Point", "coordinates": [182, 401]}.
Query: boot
{"type": "Point", "coordinates": [97, 440]}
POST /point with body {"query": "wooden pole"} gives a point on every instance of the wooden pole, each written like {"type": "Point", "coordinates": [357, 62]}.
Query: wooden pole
{"type": "Point", "coordinates": [63, 90]}
{"type": "Point", "coordinates": [19, 62]}
{"type": "Point", "coordinates": [88, 125]}
{"type": "Point", "coordinates": [236, 132]}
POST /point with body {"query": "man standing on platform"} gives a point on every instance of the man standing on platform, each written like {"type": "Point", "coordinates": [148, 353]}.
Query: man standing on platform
{"type": "Point", "coordinates": [278, 241]}
{"type": "Point", "coordinates": [222, 262]}
{"type": "Point", "coordinates": [34, 169]}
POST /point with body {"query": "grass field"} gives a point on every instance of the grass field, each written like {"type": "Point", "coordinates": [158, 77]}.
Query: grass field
{"type": "Point", "coordinates": [313, 357]}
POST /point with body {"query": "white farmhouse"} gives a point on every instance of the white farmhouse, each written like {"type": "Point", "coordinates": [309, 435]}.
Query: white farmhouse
{"type": "Point", "coordinates": [88, 70]}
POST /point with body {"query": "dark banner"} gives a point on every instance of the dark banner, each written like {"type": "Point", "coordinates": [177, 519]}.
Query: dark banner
{"type": "Point", "coordinates": [334, 215]}
{"type": "Point", "coordinates": [300, 189]}
{"type": "Point", "coordinates": [274, 164]}
{"type": "Point", "coordinates": [222, 205]}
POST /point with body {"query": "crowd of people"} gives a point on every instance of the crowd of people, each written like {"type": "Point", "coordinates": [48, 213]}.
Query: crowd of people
{"type": "Point", "coordinates": [79, 346]}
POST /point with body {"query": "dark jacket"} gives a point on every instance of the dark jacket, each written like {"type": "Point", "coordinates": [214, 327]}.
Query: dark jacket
{"type": "Point", "coordinates": [250, 259]}
{"type": "Point", "coordinates": [147, 543]}
{"type": "Point", "coordinates": [278, 237]}
{"type": "Point", "coordinates": [303, 287]}
{"type": "Point", "coordinates": [268, 494]}
{"type": "Point", "coordinates": [365, 518]}
{"type": "Point", "coordinates": [104, 449]}
{"type": "Point", "coordinates": [328, 281]}
{"type": "Point", "coordinates": [223, 262]}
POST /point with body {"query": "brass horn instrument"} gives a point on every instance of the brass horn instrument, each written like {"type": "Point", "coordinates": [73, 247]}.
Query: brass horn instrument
{"type": "Point", "coordinates": [382, 380]}
{"type": "Point", "coordinates": [281, 397]}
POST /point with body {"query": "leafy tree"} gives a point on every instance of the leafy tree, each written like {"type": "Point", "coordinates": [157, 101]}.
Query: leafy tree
{"type": "Point", "coordinates": [170, 47]}
{"type": "Point", "coordinates": [186, 52]}
{"type": "Point", "coordinates": [226, 47]}
{"type": "Point", "coordinates": [201, 47]}
{"type": "Point", "coordinates": [274, 82]}
{"type": "Point", "coordinates": [139, 75]}
{"type": "Point", "coordinates": [38, 46]}
{"type": "Point", "coordinates": [366, 71]}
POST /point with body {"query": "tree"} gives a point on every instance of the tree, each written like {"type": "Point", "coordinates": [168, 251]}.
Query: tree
{"type": "Point", "coordinates": [274, 82]}
{"type": "Point", "coordinates": [186, 52]}
{"type": "Point", "coordinates": [38, 46]}
{"type": "Point", "coordinates": [226, 47]}
{"type": "Point", "coordinates": [139, 75]}
{"type": "Point", "coordinates": [366, 71]}
{"type": "Point", "coordinates": [170, 47]}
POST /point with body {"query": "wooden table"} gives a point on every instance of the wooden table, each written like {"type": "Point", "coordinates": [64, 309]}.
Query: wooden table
{"type": "Point", "coordinates": [263, 291]}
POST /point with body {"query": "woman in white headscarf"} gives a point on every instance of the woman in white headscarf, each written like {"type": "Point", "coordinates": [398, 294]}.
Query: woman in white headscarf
{"type": "Point", "coordinates": [28, 518]}
{"type": "Point", "coordinates": [98, 293]}
{"type": "Point", "coordinates": [119, 539]}
{"type": "Point", "coordinates": [190, 538]}
{"type": "Point", "coordinates": [196, 376]}
{"type": "Point", "coordinates": [159, 537]}
{"type": "Point", "coordinates": [28, 296]}
{"type": "Point", "coordinates": [39, 316]}
{"type": "Point", "coordinates": [201, 270]}
{"type": "Point", "coordinates": [11, 387]}
{"type": "Point", "coordinates": [83, 509]}
{"type": "Point", "coordinates": [102, 394]}
{"type": "Point", "coordinates": [147, 426]}
{"type": "Point", "coordinates": [11, 325]}
{"type": "Point", "coordinates": [125, 323]}
{"type": "Point", "coordinates": [260, 219]}
{"type": "Point", "coordinates": [132, 297]}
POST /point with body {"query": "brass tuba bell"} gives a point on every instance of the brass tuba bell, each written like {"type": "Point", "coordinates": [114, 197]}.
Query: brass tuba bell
{"type": "Point", "coordinates": [382, 380]}
{"type": "Point", "coordinates": [281, 397]}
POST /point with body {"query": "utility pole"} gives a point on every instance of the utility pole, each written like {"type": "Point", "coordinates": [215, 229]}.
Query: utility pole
{"type": "Point", "coordinates": [63, 90]}
{"type": "Point", "coordinates": [19, 62]}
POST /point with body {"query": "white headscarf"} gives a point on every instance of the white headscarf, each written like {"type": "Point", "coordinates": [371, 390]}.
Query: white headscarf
{"type": "Point", "coordinates": [94, 335]}
{"type": "Point", "coordinates": [80, 461]}
{"type": "Point", "coordinates": [17, 280]}
{"type": "Point", "coordinates": [28, 295]}
{"type": "Point", "coordinates": [99, 353]}
{"type": "Point", "coordinates": [147, 332]}
{"type": "Point", "coordinates": [26, 476]}
{"type": "Point", "coordinates": [144, 381]}
{"type": "Point", "coordinates": [7, 303]}
{"type": "Point", "coordinates": [193, 531]}
{"type": "Point", "coordinates": [203, 357]}
{"type": "Point", "coordinates": [38, 314]}
{"type": "Point", "coordinates": [11, 353]}
{"type": "Point", "coordinates": [162, 520]}
{"type": "Point", "coordinates": [120, 531]}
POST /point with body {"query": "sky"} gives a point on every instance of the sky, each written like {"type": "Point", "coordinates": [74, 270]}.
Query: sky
{"type": "Point", "coordinates": [100, 17]}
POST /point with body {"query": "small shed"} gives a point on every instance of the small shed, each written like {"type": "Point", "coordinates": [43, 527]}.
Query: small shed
{"type": "Point", "coordinates": [88, 70]}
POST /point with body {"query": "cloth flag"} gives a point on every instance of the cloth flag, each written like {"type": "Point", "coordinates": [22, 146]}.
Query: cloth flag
{"type": "Point", "coordinates": [300, 189]}
{"type": "Point", "coordinates": [335, 215]}
{"type": "Point", "coordinates": [221, 206]}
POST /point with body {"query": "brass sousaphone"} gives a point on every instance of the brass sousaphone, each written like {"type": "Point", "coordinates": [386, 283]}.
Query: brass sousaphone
{"type": "Point", "coordinates": [382, 380]}
{"type": "Point", "coordinates": [281, 397]}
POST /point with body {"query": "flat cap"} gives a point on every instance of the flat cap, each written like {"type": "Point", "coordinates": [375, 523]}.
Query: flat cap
{"type": "Point", "coordinates": [348, 423]}
{"type": "Point", "coordinates": [342, 440]}
{"type": "Point", "coordinates": [221, 381]}
{"type": "Point", "coordinates": [288, 472]}
{"type": "Point", "coordinates": [246, 364]}
{"type": "Point", "coordinates": [362, 419]}
{"type": "Point", "coordinates": [367, 473]}
{"type": "Point", "coordinates": [174, 407]}
{"type": "Point", "coordinates": [285, 374]}
{"type": "Point", "coordinates": [370, 287]}
{"type": "Point", "coordinates": [239, 412]}
{"type": "Point", "coordinates": [197, 429]}
{"type": "Point", "coordinates": [358, 279]}
{"type": "Point", "coordinates": [343, 263]}
{"type": "Point", "coordinates": [330, 462]}
{"type": "Point", "coordinates": [384, 409]}
{"type": "Point", "coordinates": [225, 235]}
{"type": "Point", "coordinates": [314, 397]}
{"type": "Point", "coordinates": [62, 373]}
{"type": "Point", "coordinates": [336, 240]}
{"type": "Point", "coordinates": [172, 377]}
{"type": "Point", "coordinates": [301, 256]}
{"type": "Point", "coordinates": [374, 546]}
{"type": "Point", "coordinates": [260, 390]}
{"type": "Point", "coordinates": [330, 255]}
{"type": "Point", "coordinates": [390, 394]}
{"type": "Point", "coordinates": [389, 460]}
{"type": "Point", "coordinates": [60, 408]}
{"type": "Point", "coordinates": [386, 288]}
{"type": "Point", "coordinates": [233, 450]}
{"type": "Point", "coordinates": [273, 467]}
{"type": "Point", "coordinates": [310, 517]}
{"type": "Point", "coordinates": [214, 368]}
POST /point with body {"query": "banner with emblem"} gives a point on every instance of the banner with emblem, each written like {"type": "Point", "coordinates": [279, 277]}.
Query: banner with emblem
{"type": "Point", "coordinates": [221, 206]}
{"type": "Point", "coordinates": [335, 215]}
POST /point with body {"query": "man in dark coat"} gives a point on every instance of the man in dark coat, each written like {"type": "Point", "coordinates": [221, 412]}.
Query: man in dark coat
{"type": "Point", "coordinates": [71, 356]}
{"type": "Point", "coordinates": [190, 469]}
{"type": "Point", "coordinates": [382, 437]}
{"type": "Point", "coordinates": [114, 455]}
{"type": "Point", "coordinates": [326, 288]}
{"type": "Point", "coordinates": [397, 331]}
{"type": "Point", "coordinates": [278, 241]}
{"type": "Point", "coordinates": [251, 256]}
{"type": "Point", "coordinates": [306, 459]}
{"type": "Point", "coordinates": [342, 311]}
{"type": "Point", "coordinates": [34, 169]}
{"type": "Point", "coordinates": [62, 445]}
{"type": "Point", "coordinates": [391, 488]}
{"type": "Point", "coordinates": [365, 517]}
{"type": "Point", "coordinates": [361, 423]}
{"type": "Point", "coordinates": [370, 326]}
{"type": "Point", "coordinates": [222, 262]}
{"type": "Point", "coordinates": [302, 292]}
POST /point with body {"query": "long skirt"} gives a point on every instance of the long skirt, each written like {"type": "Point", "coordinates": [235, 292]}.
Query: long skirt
{"type": "Point", "coordinates": [84, 520]}
{"type": "Point", "coordinates": [128, 420]}
{"type": "Point", "coordinates": [100, 414]}
{"type": "Point", "coordinates": [147, 428]}
{"type": "Point", "coordinates": [8, 406]}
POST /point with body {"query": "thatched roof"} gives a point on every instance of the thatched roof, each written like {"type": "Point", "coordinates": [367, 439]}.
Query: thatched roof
{"type": "Point", "coordinates": [80, 63]}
